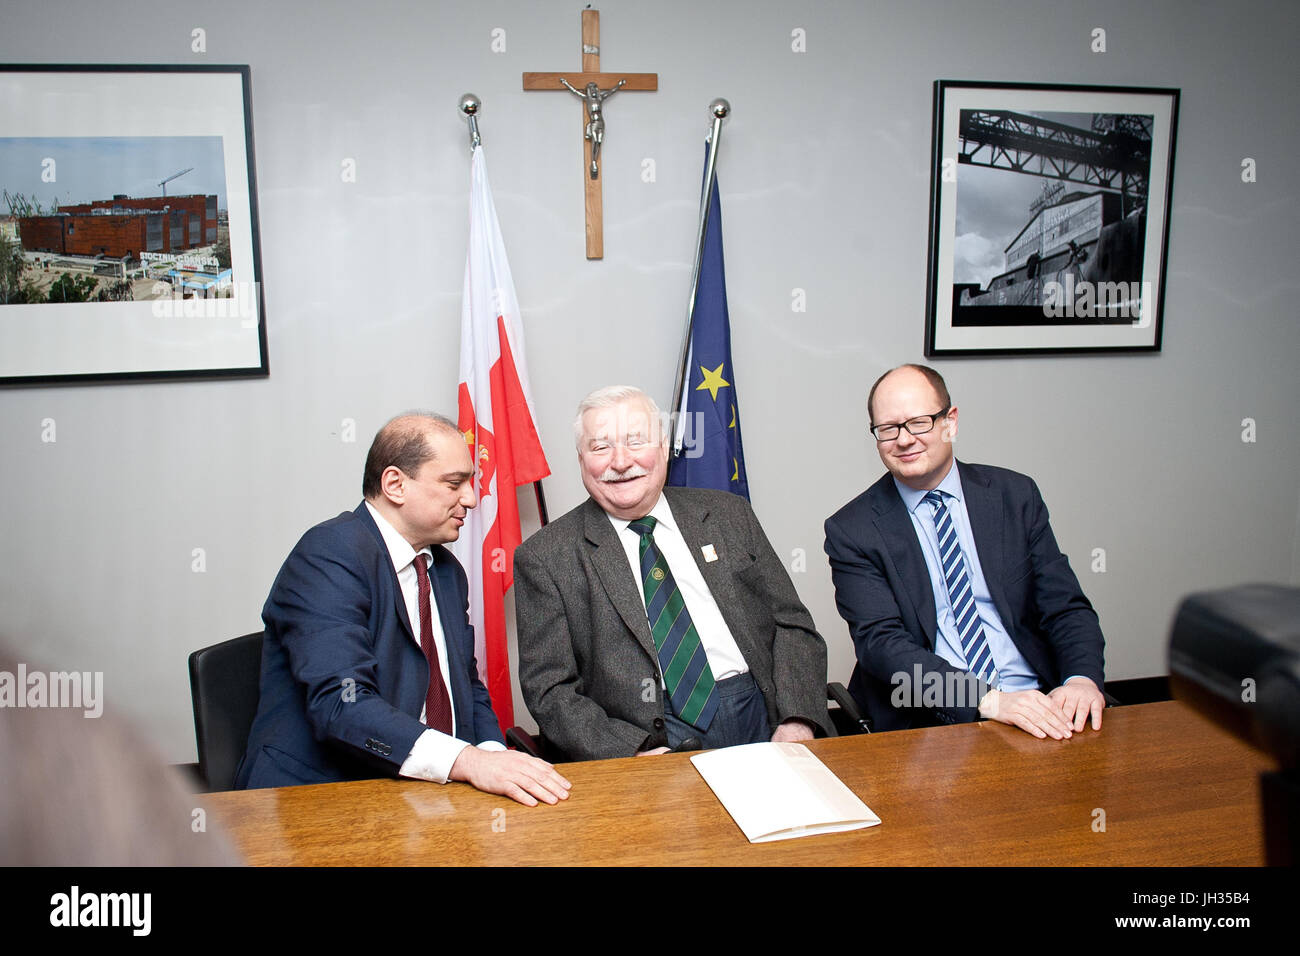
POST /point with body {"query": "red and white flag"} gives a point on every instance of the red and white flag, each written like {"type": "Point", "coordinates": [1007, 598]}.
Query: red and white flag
{"type": "Point", "coordinates": [495, 414]}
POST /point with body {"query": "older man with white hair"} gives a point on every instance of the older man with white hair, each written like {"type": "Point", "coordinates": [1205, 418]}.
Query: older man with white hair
{"type": "Point", "coordinates": [649, 616]}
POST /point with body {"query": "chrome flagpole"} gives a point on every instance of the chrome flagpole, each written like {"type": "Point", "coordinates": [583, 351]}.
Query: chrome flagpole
{"type": "Point", "coordinates": [469, 106]}
{"type": "Point", "coordinates": [719, 109]}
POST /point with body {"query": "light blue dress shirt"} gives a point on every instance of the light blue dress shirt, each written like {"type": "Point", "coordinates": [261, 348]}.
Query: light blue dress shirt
{"type": "Point", "coordinates": [1013, 671]}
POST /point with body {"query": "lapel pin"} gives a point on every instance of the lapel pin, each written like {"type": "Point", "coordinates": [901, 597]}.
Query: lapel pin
{"type": "Point", "coordinates": [708, 552]}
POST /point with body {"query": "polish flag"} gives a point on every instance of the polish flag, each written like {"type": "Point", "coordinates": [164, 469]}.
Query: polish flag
{"type": "Point", "coordinates": [495, 414]}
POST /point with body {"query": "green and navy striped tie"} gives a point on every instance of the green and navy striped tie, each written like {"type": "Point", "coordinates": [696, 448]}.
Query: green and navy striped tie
{"type": "Point", "coordinates": [692, 691]}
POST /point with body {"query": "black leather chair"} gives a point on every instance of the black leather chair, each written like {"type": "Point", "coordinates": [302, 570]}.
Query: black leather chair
{"type": "Point", "coordinates": [846, 715]}
{"type": "Point", "coordinates": [224, 685]}
{"type": "Point", "coordinates": [535, 744]}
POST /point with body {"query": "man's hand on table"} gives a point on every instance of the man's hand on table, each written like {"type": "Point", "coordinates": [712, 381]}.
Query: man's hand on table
{"type": "Point", "coordinates": [1030, 710]}
{"type": "Point", "coordinates": [1078, 697]}
{"type": "Point", "coordinates": [792, 731]}
{"type": "Point", "coordinates": [518, 776]}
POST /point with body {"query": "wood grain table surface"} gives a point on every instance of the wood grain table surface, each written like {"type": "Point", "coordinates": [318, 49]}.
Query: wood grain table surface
{"type": "Point", "coordinates": [1158, 785]}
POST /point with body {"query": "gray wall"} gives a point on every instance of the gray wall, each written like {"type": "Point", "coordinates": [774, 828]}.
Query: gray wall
{"type": "Point", "coordinates": [825, 187]}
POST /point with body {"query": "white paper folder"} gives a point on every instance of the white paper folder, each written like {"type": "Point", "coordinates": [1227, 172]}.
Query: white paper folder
{"type": "Point", "coordinates": [780, 791]}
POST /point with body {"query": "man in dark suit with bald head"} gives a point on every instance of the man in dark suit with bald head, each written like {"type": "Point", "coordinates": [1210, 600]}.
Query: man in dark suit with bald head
{"type": "Point", "coordinates": [959, 603]}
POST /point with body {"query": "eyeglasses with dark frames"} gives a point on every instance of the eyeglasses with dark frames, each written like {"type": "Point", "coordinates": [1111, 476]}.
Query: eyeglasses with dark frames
{"type": "Point", "coordinates": [915, 426]}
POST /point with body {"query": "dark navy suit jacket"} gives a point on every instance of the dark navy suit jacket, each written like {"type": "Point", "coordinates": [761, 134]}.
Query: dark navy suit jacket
{"type": "Point", "coordinates": [883, 591]}
{"type": "Point", "coordinates": [343, 679]}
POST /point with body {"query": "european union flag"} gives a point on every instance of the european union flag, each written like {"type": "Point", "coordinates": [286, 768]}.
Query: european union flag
{"type": "Point", "coordinates": [711, 455]}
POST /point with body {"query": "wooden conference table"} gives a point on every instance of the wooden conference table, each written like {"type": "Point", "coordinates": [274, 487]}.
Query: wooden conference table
{"type": "Point", "coordinates": [1174, 789]}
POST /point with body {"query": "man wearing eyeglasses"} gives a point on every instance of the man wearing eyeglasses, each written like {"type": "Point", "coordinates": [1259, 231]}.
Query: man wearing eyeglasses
{"type": "Point", "coordinates": [958, 600]}
{"type": "Point", "coordinates": [651, 617]}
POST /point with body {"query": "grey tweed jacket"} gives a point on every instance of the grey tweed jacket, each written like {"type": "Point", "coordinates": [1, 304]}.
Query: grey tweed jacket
{"type": "Point", "coordinates": [587, 662]}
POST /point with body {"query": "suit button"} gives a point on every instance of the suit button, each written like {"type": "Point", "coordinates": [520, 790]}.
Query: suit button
{"type": "Point", "coordinates": [658, 723]}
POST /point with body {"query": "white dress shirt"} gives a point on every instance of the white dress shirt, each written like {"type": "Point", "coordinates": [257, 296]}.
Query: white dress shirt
{"type": "Point", "coordinates": [725, 659]}
{"type": "Point", "coordinates": [434, 752]}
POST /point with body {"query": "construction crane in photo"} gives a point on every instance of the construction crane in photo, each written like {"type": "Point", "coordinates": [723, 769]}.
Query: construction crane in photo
{"type": "Point", "coordinates": [164, 183]}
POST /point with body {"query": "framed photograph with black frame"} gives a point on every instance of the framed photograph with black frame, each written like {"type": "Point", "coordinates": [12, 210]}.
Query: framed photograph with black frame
{"type": "Point", "coordinates": [1049, 217]}
{"type": "Point", "coordinates": [128, 229]}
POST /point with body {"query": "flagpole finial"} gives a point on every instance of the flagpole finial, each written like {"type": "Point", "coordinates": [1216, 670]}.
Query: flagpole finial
{"type": "Point", "coordinates": [719, 108]}
{"type": "Point", "coordinates": [470, 105]}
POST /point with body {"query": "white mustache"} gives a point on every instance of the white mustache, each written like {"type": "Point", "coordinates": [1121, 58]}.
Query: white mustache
{"type": "Point", "coordinates": [632, 471]}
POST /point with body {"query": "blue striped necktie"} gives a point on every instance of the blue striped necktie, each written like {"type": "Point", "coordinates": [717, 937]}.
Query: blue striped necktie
{"type": "Point", "coordinates": [970, 628]}
{"type": "Point", "coordinates": [692, 691]}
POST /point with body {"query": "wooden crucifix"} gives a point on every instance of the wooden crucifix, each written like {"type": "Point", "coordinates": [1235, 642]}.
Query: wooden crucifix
{"type": "Point", "coordinates": [593, 87]}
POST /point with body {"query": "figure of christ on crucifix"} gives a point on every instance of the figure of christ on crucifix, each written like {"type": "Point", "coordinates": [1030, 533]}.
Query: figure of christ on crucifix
{"type": "Point", "coordinates": [595, 120]}
{"type": "Point", "coordinates": [598, 87]}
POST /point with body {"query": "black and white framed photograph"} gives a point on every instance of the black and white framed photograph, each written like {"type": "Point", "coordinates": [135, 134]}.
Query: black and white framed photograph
{"type": "Point", "coordinates": [128, 224]}
{"type": "Point", "coordinates": [1049, 217]}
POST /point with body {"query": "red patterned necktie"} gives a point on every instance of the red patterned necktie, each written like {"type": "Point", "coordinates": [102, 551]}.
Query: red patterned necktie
{"type": "Point", "coordinates": [437, 705]}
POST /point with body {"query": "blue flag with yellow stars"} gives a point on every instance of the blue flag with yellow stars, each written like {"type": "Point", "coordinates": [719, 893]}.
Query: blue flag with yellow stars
{"type": "Point", "coordinates": [711, 455]}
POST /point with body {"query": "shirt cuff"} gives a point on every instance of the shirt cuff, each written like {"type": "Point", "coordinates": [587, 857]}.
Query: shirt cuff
{"type": "Point", "coordinates": [432, 756]}
{"type": "Point", "coordinates": [491, 745]}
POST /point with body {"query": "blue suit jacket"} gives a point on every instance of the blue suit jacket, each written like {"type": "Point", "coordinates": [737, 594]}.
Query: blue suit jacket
{"type": "Point", "coordinates": [343, 679]}
{"type": "Point", "coordinates": [883, 591]}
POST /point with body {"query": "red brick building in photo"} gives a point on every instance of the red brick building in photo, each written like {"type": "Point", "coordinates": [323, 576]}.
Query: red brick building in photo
{"type": "Point", "coordinates": [123, 227]}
